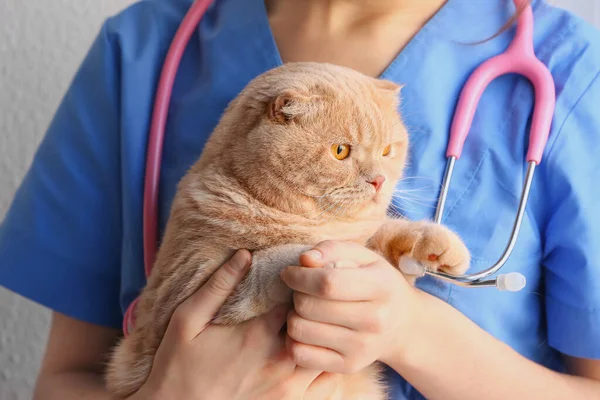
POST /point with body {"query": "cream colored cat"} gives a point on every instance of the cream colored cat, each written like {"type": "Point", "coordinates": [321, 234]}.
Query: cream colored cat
{"type": "Point", "coordinates": [307, 152]}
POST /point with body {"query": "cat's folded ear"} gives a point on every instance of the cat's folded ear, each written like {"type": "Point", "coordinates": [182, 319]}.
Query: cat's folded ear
{"type": "Point", "coordinates": [388, 86]}
{"type": "Point", "coordinates": [290, 105]}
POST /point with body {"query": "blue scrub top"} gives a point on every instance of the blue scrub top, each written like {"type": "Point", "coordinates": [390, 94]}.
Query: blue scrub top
{"type": "Point", "coordinates": [72, 239]}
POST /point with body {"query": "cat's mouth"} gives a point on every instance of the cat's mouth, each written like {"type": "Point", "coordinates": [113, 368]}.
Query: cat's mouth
{"type": "Point", "coordinates": [361, 196]}
{"type": "Point", "coordinates": [377, 197]}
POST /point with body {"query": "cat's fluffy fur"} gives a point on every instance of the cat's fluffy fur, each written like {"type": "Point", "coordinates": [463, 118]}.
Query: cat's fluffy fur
{"type": "Point", "coordinates": [267, 181]}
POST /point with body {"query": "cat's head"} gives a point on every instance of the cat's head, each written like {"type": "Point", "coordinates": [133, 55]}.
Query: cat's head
{"type": "Point", "coordinates": [317, 139]}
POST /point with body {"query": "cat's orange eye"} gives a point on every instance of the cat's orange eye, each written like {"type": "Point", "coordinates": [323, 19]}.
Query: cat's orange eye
{"type": "Point", "coordinates": [387, 150]}
{"type": "Point", "coordinates": [340, 151]}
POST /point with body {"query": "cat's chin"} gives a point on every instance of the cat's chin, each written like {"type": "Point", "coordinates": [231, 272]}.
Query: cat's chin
{"type": "Point", "coordinates": [372, 209]}
{"type": "Point", "coordinates": [380, 200]}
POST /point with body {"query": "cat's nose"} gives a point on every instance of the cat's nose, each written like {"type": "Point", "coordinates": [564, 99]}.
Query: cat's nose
{"type": "Point", "coordinates": [377, 182]}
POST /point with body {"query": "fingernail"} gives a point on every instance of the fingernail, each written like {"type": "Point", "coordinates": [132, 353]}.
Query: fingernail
{"type": "Point", "coordinates": [240, 260]}
{"type": "Point", "coordinates": [314, 254]}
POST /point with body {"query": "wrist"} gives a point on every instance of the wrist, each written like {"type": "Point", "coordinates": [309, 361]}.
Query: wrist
{"type": "Point", "coordinates": [416, 334]}
{"type": "Point", "coordinates": [409, 330]}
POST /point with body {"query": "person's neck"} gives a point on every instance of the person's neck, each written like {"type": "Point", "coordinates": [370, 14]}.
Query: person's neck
{"type": "Point", "coordinates": [340, 15]}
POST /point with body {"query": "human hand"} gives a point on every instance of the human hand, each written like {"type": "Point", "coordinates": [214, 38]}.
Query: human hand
{"type": "Point", "coordinates": [197, 360]}
{"type": "Point", "coordinates": [348, 316]}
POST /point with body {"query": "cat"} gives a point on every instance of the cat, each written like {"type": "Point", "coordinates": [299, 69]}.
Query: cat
{"type": "Point", "coordinates": [306, 152]}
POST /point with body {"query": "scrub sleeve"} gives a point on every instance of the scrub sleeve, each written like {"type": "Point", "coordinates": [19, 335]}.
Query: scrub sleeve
{"type": "Point", "coordinates": [572, 231]}
{"type": "Point", "coordinates": [60, 241]}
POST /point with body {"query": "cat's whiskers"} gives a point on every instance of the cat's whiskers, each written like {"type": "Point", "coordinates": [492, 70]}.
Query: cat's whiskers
{"type": "Point", "coordinates": [427, 178]}
{"type": "Point", "coordinates": [343, 206]}
{"type": "Point", "coordinates": [407, 201]}
{"type": "Point", "coordinates": [400, 210]}
{"type": "Point", "coordinates": [337, 207]}
{"type": "Point", "coordinates": [395, 209]}
{"type": "Point", "coordinates": [413, 195]}
{"type": "Point", "coordinates": [414, 190]}
{"type": "Point", "coordinates": [336, 210]}
{"type": "Point", "coordinates": [396, 213]}
{"type": "Point", "coordinates": [411, 190]}
{"type": "Point", "coordinates": [331, 207]}
{"type": "Point", "coordinates": [416, 196]}
{"type": "Point", "coordinates": [416, 202]}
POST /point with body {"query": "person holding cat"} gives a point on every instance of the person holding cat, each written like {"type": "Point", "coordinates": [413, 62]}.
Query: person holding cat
{"type": "Point", "coordinates": [72, 237]}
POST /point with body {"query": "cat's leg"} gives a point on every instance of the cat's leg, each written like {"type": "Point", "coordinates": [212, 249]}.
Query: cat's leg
{"type": "Point", "coordinates": [128, 367]}
{"type": "Point", "coordinates": [262, 288]}
{"type": "Point", "coordinates": [366, 384]}
{"type": "Point", "coordinates": [435, 246]}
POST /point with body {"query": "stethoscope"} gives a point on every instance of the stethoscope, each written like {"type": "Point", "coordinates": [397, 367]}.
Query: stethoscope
{"type": "Point", "coordinates": [518, 58]}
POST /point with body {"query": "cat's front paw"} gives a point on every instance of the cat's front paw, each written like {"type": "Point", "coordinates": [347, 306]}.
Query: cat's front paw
{"type": "Point", "coordinates": [437, 248]}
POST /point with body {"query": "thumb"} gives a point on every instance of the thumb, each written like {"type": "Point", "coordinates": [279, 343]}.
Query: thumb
{"type": "Point", "coordinates": [199, 309]}
{"type": "Point", "coordinates": [323, 387]}
{"type": "Point", "coordinates": [314, 384]}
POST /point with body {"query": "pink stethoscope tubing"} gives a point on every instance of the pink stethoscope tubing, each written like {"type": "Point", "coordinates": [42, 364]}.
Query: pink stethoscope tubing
{"type": "Point", "coordinates": [519, 58]}
{"type": "Point", "coordinates": [156, 138]}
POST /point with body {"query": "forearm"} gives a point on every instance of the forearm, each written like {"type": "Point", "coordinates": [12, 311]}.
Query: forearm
{"type": "Point", "coordinates": [71, 385]}
{"type": "Point", "coordinates": [452, 358]}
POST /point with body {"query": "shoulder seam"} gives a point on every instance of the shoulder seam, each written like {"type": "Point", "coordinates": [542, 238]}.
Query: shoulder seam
{"type": "Point", "coordinates": [548, 47]}
{"type": "Point", "coordinates": [558, 133]}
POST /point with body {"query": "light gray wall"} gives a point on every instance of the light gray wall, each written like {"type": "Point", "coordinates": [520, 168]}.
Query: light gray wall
{"type": "Point", "coordinates": [41, 45]}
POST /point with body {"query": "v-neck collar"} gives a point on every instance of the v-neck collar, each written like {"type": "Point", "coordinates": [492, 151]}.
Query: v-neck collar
{"type": "Point", "coordinates": [259, 11]}
{"type": "Point", "coordinates": [244, 26]}
{"type": "Point", "coordinates": [477, 19]}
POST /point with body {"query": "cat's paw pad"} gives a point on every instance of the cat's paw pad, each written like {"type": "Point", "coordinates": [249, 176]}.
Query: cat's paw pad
{"type": "Point", "coordinates": [438, 248]}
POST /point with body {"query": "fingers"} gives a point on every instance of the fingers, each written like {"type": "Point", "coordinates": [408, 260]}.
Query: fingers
{"type": "Point", "coordinates": [303, 377]}
{"type": "Point", "coordinates": [338, 254]}
{"type": "Point", "coordinates": [324, 386]}
{"type": "Point", "coordinates": [197, 311]}
{"type": "Point", "coordinates": [347, 284]}
{"type": "Point", "coordinates": [286, 383]}
{"type": "Point", "coordinates": [336, 271]}
{"type": "Point", "coordinates": [353, 315]}
{"type": "Point", "coordinates": [334, 337]}
{"type": "Point", "coordinates": [313, 357]}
